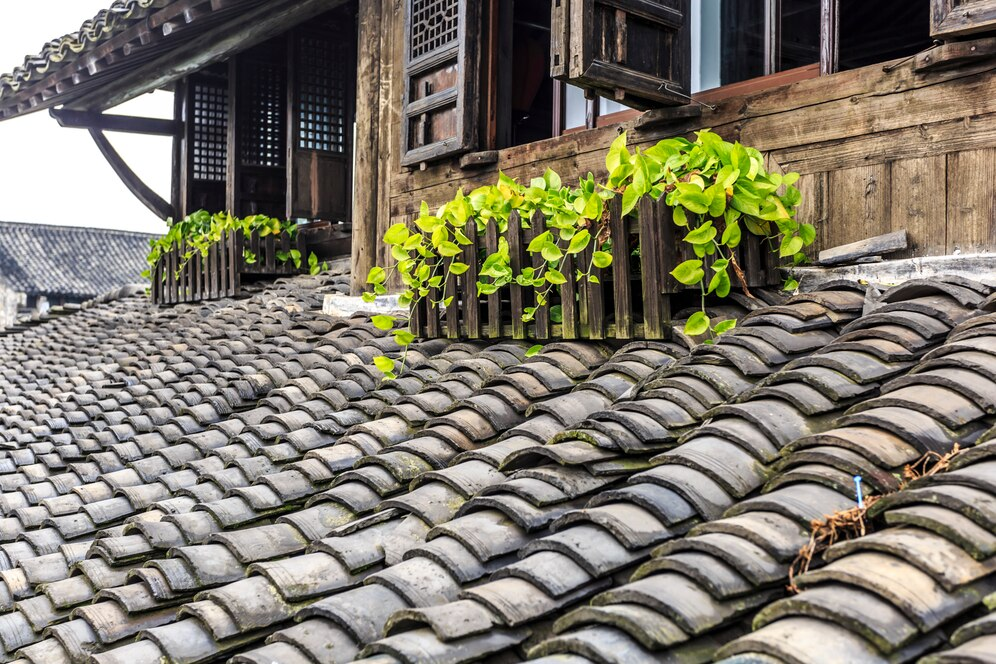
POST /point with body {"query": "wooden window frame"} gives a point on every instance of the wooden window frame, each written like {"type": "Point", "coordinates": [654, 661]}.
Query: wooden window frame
{"type": "Point", "coordinates": [827, 64]}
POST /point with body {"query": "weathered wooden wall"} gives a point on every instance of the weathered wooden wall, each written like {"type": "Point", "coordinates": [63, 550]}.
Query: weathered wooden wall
{"type": "Point", "coordinates": [879, 150]}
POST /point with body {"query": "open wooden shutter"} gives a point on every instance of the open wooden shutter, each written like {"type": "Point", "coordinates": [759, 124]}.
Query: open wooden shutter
{"type": "Point", "coordinates": [439, 116]}
{"type": "Point", "coordinates": [637, 52]}
{"type": "Point", "coordinates": [319, 181]}
{"type": "Point", "coordinates": [952, 18]}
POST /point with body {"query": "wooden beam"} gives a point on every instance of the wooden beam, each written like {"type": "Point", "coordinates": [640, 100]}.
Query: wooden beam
{"type": "Point", "coordinates": [142, 191]}
{"type": "Point", "coordinates": [873, 246]}
{"type": "Point", "coordinates": [124, 123]}
{"type": "Point", "coordinates": [250, 28]}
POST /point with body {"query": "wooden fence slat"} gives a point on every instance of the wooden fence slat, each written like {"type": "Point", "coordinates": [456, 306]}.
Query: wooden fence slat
{"type": "Point", "coordinates": [568, 299]}
{"type": "Point", "coordinates": [157, 281]}
{"type": "Point", "coordinates": [182, 268]}
{"type": "Point", "coordinates": [517, 296]}
{"type": "Point", "coordinates": [431, 310]}
{"type": "Point", "coordinates": [542, 315]}
{"type": "Point", "coordinates": [270, 251]}
{"type": "Point", "coordinates": [236, 262]}
{"type": "Point", "coordinates": [653, 259]}
{"type": "Point", "coordinates": [287, 266]}
{"type": "Point", "coordinates": [468, 283]}
{"type": "Point", "coordinates": [622, 293]}
{"type": "Point", "coordinates": [197, 273]}
{"type": "Point", "coordinates": [451, 292]}
{"type": "Point", "coordinates": [494, 330]}
{"type": "Point", "coordinates": [212, 269]}
{"type": "Point", "coordinates": [594, 298]}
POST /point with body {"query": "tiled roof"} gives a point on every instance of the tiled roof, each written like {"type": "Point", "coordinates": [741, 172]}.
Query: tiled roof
{"type": "Point", "coordinates": [234, 480]}
{"type": "Point", "coordinates": [121, 15]}
{"type": "Point", "coordinates": [70, 261]}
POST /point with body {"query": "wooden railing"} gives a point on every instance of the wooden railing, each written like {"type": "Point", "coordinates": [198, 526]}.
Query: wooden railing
{"type": "Point", "coordinates": [220, 273]}
{"type": "Point", "coordinates": [633, 299]}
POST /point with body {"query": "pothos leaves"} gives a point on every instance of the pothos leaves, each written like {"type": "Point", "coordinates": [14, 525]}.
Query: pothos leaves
{"type": "Point", "coordinates": [716, 190]}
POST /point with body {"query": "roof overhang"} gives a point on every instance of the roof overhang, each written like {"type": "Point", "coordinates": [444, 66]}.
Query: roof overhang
{"type": "Point", "coordinates": [148, 45]}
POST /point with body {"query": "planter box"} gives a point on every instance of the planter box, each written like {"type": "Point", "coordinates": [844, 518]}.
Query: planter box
{"type": "Point", "coordinates": [632, 301]}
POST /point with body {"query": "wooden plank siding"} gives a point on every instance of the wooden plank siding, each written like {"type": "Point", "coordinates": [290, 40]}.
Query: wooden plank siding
{"type": "Point", "coordinates": [878, 151]}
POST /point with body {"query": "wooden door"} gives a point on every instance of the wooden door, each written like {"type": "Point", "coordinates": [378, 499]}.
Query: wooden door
{"type": "Point", "coordinates": [321, 101]}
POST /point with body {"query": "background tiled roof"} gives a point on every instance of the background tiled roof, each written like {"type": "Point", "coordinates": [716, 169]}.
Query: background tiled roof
{"type": "Point", "coordinates": [65, 260]}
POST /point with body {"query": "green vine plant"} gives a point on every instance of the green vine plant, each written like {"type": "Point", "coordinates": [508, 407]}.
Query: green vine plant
{"type": "Point", "coordinates": [202, 229]}
{"type": "Point", "coordinates": [717, 191]}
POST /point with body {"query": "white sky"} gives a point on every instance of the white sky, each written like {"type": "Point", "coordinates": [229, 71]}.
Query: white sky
{"type": "Point", "coordinates": [57, 176]}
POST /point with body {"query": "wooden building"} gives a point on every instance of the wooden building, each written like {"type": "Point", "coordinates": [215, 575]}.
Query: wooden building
{"type": "Point", "coordinates": [354, 111]}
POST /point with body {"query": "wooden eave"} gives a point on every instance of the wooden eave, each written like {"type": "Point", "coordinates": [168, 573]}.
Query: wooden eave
{"type": "Point", "coordinates": [178, 39]}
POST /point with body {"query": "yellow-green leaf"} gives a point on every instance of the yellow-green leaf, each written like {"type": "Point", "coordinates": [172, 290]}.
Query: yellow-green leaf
{"type": "Point", "coordinates": [697, 323]}
{"type": "Point", "coordinates": [601, 259]}
{"type": "Point", "coordinates": [383, 322]}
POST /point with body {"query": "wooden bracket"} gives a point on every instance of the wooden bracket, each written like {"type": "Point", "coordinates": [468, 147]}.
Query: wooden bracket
{"type": "Point", "coordinates": [142, 191]}
{"type": "Point", "coordinates": [123, 123]}
{"type": "Point", "coordinates": [479, 159]}
{"type": "Point", "coordinates": [953, 54]}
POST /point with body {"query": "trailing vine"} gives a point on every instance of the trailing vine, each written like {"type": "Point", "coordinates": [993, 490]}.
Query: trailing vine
{"type": "Point", "coordinates": [200, 230]}
{"type": "Point", "coordinates": [716, 189]}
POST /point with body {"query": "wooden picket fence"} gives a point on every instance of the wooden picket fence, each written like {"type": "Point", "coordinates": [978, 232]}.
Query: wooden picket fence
{"type": "Point", "coordinates": [632, 300]}
{"type": "Point", "coordinates": [220, 273]}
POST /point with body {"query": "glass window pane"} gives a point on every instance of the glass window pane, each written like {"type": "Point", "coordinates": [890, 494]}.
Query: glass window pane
{"type": "Point", "coordinates": [800, 34]}
{"type": "Point", "coordinates": [727, 42]}
{"type": "Point", "coordinates": [575, 107]}
{"type": "Point", "coordinates": [606, 106]}
{"type": "Point", "coordinates": [873, 32]}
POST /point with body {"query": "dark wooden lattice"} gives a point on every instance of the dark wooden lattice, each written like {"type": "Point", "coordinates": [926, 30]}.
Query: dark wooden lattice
{"type": "Point", "coordinates": [210, 130]}
{"type": "Point", "coordinates": [434, 24]}
{"type": "Point", "coordinates": [321, 94]}
{"type": "Point", "coordinates": [262, 137]}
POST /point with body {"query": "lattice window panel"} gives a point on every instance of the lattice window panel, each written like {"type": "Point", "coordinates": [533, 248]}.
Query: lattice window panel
{"type": "Point", "coordinates": [434, 24]}
{"type": "Point", "coordinates": [322, 78]}
{"type": "Point", "coordinates": [262, 140]}
{"type": "Point", "coordinates": [210, 132]}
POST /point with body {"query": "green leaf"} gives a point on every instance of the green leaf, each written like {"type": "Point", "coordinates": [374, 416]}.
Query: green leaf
{"type": "Point", "coordinates": [704, 234]}
{"type": "Point", "coordinates": [375, 276]}
{"type": "Point", "coordinates": [368, 297]}
{"type": "Point", "coordinates": [555, 277]}
{"type": "Point", "coordinates": [396, 234]}
{"type": "Point", "coordinates": [448, 249]}
{"type": "Point", "coordinates": [448, 301]}
{"type": "Point", "coordinates": [552, 179]}
{"type": "Point", "coordinates": [790, 246]}
{"type": "Point", "coordinates": [790, 179]}
{"type": "Point", "coordinates": [551, 252]}
{"type": "Point", "coordinates": [680, 219]}
{"type": "Point", "coordinates": [459, 268]}
{"type": "Point", "coordinates": [533, 350]}
{"type": "Point", "coordinates": [808, 233]}
{"type": "Point", "coordinates": [384, 364]}
{"type": "Point", "coordinates": [601, 259]}
{"type": "Point", "coordinates": [556, 314]}
{"type": "Point", "coordinates": [731, 236]}
{"type": "Point", "coordinates": [403, 337]}
{"type": "Point", "coordinates": [629, 200]}
{"type": "Point", "coordinates": [790, 284]}
{"type": "Point", "coordinates": [383, 322]}
{"type": "Point", "coordinates": [536, 244]}
{"type": "Point", "coordinates": [720, 283]}
{"type": "Point", "coordinates": [689, 273]}
{"type": "Point", "coordinates": [697, 323]}
{"type": "Point", "coordinates": [725, 326]}
{"type": "Point", "coordinates": [579, 242]}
